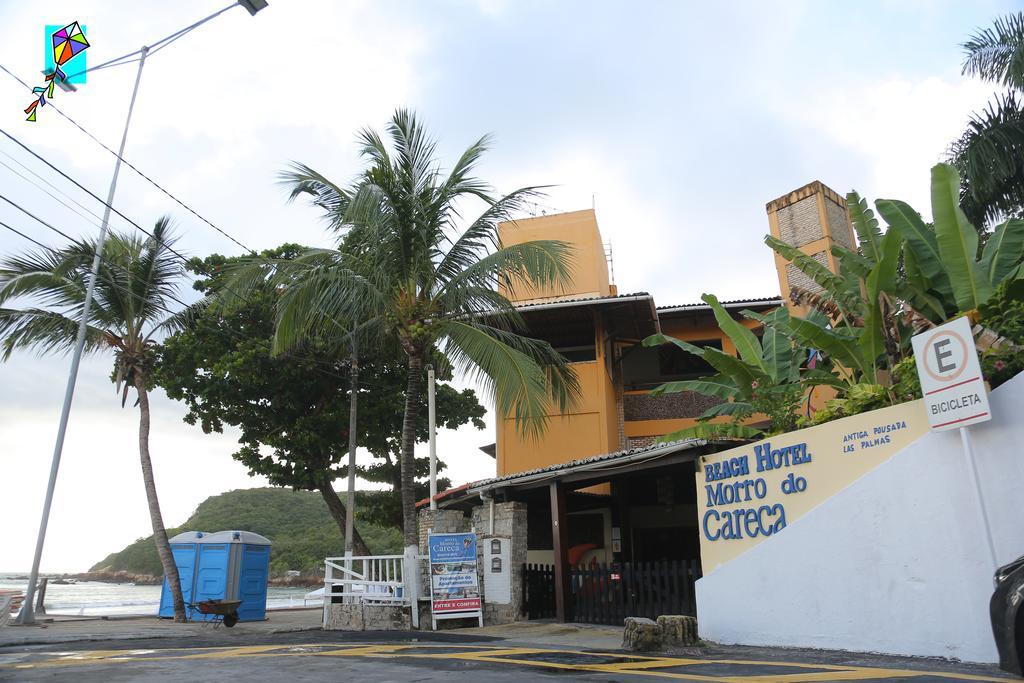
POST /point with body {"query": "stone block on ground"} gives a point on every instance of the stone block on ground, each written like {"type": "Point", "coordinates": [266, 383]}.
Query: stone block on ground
{"type": "Point", "coordinates": [641, 635]}
{"type": "Point", "coordinates": [367, 617]}
{"type": "Point", "coordinates": [343, 617]}
{"type": "Point", "coordinates": [678, 629]}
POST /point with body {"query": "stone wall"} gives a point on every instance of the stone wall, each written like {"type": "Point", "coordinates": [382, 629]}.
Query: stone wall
{"type": "Point", "coordinates": [362, 617]}
{"type": "Point", "coordinates": [510, 526]}
{"type": "Point", "coordinates": [666, 406]}
{"type": "Point", "coordinates": [641, 441]}
{"type": "Point", "coordinates": [839, 224]}
{"type": "Point", "coordinates": [800, 223]}
{"type": "Point", "coordinates": [440, 522]}
{"type": "Point", "coordinates": [797, 278]}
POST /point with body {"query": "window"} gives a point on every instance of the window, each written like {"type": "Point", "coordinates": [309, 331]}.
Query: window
{"type": "Point", "coordinates": [578, 354]}
{"type": "Point", "coordinates": [674, 363]}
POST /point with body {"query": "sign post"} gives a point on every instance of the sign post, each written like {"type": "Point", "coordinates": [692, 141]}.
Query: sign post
{"type": "Point", "coordinates": [954, 392]}
{"type": "Point", "coordinates": [454, 585]}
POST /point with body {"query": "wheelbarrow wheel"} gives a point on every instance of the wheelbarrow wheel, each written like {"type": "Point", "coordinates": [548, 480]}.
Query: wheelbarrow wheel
{"type": "Point", "coordinates": [231, 619]}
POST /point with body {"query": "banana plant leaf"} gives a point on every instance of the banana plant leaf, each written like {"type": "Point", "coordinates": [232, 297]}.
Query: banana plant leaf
{"type": "Point", "coordinates": [839, 345]}
{"type": "Point", "coordinates": [869, 235]}
{"type": "Point", "coordinates": [835, 286]}
{"type": "Point", "coordinates": [957, 240]}
{"type": "Point", "coordinates": [711, 431]}
{"type": "Point", "coordinates": [852, 262]}
{"type": "Point", "coordinates": [658, 339]}
{"type": "Point", "coordinates": [881, 279]}
{"type": "Point", "coordinates": [780, 358]}
{"type": "Point", "coordinates": [1003, 251]}
{"type": "Point", "coordinates": [737, 408]}
{"type": "Point", "coordinates": [916, 290]}
{"type": "Point", "coordinates": [813, 377]}
{"type": "Point", "coordinates": [742, 374]}
{"type": "Point", "coordinates": [921, 241]}
{"type": "Point", "coordinates": [719, 386]}
{"type": "Point", "coordinates": [743, 339]}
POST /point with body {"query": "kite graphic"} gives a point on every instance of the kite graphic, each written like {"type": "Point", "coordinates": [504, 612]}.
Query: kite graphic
{"type": "Point", "coordinates": [67, 42]}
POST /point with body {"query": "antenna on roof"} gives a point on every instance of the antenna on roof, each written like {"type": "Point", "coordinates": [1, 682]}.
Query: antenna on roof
{"type": "Point", "coordinates": [611, 261]}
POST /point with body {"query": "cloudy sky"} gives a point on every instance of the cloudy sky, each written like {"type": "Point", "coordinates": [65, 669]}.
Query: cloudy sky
{"type": "Point", "coordinates": [677, 120]}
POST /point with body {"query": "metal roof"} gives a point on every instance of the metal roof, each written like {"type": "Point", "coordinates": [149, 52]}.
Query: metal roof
{"type": "Point", "coordinates": [736, 303]}
{"type": "Point", "coordinates": [597, 462]}
{"type": "Point", "coordinates": [560, 303]}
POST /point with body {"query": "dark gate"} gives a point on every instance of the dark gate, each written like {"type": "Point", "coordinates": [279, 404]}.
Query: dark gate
{"type": "Point", "coordinates": [608, 593]}
{"type": "Point", "coordinates": [538, 591]}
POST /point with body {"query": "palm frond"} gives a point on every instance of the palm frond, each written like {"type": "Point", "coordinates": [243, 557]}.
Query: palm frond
{"type": "Point", "coordinates": [997, 53]}
{"type": "Point", "coordinates": [525, 377]}
{"type": "Point", "coordinates": [990, 159]}
{"type": "Point", "coordinates": [42, 331]}
{"type": "Point", "coordinates": [300, 179]}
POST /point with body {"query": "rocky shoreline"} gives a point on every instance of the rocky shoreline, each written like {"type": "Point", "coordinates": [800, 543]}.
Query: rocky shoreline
{"type": "Point", "coordinates": [107, 576]}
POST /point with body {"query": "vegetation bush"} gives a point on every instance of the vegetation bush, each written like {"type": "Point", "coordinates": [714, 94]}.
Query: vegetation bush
{"type": "Point", "coordinates": [297, 523]}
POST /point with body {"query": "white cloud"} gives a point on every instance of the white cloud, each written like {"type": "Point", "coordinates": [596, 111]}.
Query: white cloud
{"type": "Point", "coordinates": [896, 127]}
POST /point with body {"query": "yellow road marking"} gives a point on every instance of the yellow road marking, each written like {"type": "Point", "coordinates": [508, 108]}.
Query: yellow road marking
{"type": "Point", "coordinates": [638, 665]}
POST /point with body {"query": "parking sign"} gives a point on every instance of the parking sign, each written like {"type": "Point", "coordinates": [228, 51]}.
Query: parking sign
{"type": "Point", "coordinates": [951, 380]}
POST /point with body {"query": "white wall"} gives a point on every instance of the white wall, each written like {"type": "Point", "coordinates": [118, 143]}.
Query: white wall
{"type": "Point", "coordinates": [896, 562]}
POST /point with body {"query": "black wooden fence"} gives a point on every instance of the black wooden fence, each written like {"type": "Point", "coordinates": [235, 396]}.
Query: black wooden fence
{"type": "Point", "coordinates": [538, 591]}
{"type": "Point", "coordinates": [608, 593]}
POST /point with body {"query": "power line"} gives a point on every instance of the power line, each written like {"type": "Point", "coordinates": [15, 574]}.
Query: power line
{"type": "Point", "coordinates": [130, 165]}
{"type": "Point", "coordinates": [47, 182]}
{"type": "Point", "coordinates": [185, 306]}
{"type": "Point", "coordinates": [30, 239]}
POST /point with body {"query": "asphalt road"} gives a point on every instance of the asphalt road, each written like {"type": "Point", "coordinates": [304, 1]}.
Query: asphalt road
{"type": "Point", "coordinates": [333, 656]}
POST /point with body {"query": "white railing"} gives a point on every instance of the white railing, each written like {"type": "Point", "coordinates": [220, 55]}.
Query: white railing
{"type": "Point", "coordinates": [366, 578]}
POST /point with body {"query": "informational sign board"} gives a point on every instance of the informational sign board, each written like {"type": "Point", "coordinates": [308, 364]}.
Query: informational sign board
{"type": "Point", "coordinates": [454, 584]}
{"type": "Point", "coordinates": [750, 493]}
{"type": "Point", "coordinates": [951, 380]}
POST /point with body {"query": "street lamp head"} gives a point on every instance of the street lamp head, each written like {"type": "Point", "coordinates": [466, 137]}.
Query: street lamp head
{"type": "Point", "coordinates": [253, 6]}
{"type": "Point", "coordinates": [62, 84]}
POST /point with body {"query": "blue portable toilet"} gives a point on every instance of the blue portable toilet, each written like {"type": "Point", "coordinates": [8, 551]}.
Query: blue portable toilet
{"type": "Point", "coordinates": [226, 565]}
{"type": "Point", "coordinates": [185, 549]}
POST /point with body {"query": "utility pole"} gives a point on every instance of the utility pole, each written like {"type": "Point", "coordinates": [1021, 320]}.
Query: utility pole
{"type": "Point", "coordinates": [432, 426]}
{"type": "Point", "coordinates": [350, 514]}
{"type": "Point", "coordinates": [26, 616]}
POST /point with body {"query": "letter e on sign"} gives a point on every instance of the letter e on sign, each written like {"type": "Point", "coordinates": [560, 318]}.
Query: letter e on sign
{"type": "Point", "coordinates": [951, 380]}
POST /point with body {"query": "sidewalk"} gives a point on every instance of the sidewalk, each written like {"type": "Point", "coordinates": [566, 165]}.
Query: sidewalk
{"type": "Point", "coordinates": [552, 634]}
{"type": "Point", "coordinates": [72, 629]}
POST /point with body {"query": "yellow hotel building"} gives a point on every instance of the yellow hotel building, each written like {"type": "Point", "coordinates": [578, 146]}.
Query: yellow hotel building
{"type": "Point", "coordinates": [600, 330]}
{"type": "Point", "coordinates": [597, 491]}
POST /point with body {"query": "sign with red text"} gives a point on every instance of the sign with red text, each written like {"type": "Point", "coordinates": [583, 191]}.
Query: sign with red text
{"type": "Point", "coordinates": [951, 381]}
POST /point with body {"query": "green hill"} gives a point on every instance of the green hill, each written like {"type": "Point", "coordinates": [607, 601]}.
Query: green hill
{"type": "Point", "coordinates": [298, 523]}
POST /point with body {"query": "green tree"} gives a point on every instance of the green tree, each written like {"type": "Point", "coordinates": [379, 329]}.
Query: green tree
{"type": "Point", "coordinates": [292, 408]}
{"type": "Point", "coordinates": [990, 153]}
{"type": "Point", "coordinates": [404, 262]}
{"type": "Point", "coordinates": [137, 279]}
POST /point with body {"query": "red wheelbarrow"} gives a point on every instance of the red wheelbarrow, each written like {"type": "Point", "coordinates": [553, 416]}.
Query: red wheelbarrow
{"type": "Point", "coordinates": [223, 611]}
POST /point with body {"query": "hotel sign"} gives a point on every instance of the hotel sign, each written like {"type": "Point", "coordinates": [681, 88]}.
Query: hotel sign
{"type": "Point", "coordinates": [951, 380]}
{"type": "Point", "coordinates": [748, 494]}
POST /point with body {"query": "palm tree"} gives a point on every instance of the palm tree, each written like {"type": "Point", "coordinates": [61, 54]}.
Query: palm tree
{"type": "Point", "coordinates": [137, 278]}
{"type": "Point", "coordinates": [990, 153]}
{"type": "Point", "coordinates": [433, 289]}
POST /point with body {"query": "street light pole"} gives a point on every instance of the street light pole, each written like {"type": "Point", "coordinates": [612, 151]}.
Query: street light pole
{"type": "Point", "coordinates": [27, 614]}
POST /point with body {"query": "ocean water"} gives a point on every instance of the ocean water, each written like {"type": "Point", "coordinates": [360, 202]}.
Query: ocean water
{"type": "Point", "coordinates": [93, 598]}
